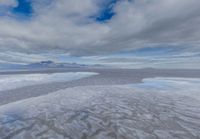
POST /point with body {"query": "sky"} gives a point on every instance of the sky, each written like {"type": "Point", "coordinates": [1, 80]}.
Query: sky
{"type": "Point", "coordinates": [116, 33]}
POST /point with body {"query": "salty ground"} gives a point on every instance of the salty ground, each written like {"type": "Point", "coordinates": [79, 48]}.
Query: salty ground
{"type": "Point", "coordinates": [100, 104]}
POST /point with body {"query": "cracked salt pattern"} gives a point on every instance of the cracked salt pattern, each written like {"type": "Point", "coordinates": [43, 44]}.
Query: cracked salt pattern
{"type": "Point", "coordinates": [159, 108]}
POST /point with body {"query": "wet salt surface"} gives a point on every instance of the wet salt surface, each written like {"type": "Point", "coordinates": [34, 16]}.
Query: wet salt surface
{"type": "Point", "coordinates": [158, 108]}
{"type": "Point", "coordinates": [9, 82]}
{"type": "Point", "coordinates": [104, 77]}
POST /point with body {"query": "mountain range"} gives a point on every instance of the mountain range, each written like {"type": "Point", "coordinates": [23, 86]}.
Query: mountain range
{"type": "Point", "coordinates": [45, 64]}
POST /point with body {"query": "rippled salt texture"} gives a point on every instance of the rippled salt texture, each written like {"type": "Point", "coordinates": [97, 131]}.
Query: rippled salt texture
{"type": "Point", "coordinates": [159, 108]}
{"type": "Point", "coordinates": [8, 82]}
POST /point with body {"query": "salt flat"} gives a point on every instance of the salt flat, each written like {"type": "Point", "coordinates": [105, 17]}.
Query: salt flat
{"type": "Point", "coordinates": [143, 108]}
{"type": "Point", "coordinates": [10, 82]}
{"type": "Point", "coordinates": [104, 77]}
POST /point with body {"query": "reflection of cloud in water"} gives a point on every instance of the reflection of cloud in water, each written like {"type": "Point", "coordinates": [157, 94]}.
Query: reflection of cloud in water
{"type": "Point", "coordinates": [16, 81]}
{"type": "Point", "coordinates": [142, 111]}
{"type": "Point", "coordinates": [165, 84]}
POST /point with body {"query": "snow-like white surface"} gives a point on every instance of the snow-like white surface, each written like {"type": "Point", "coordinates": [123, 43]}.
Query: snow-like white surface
{"type": "Point", "coordinates": [159, 108]}
{"type": "Point", "coordinates": [8, 82]}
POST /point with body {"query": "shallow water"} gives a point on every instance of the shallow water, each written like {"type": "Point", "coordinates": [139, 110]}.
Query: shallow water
{"type": "Point", "coordinates": [159, 108]}
{"type": "Point", "coordinates": [9, 82]}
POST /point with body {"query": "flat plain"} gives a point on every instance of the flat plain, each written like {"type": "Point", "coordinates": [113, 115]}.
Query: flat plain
{"type": "Point", "coordinates": [109, 103]}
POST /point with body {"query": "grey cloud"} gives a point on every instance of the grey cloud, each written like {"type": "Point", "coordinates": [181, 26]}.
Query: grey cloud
{"type": "Point", "coordinates": [158, 22]}
{"type": "Point", "coordinates": [8, 3]}
{"type": "Point", "coordinates": [65, 27]}
{"type": "Point", "coordinates": [23, 58]}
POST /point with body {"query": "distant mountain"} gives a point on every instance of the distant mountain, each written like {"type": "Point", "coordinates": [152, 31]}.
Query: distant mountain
{"type": "Point", "coordinates": [45, 64]}
{"type": "Point", "coordinates": [51, 64]}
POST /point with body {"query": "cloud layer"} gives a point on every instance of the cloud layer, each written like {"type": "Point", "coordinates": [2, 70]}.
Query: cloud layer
{"type": "Point", "coordinates": [70, 26]}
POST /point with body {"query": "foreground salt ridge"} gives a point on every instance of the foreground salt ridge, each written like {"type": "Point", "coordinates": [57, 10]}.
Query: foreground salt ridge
{"type": "Point", "coordinates": [158, 108]}
{"type": "Point", "coordinates": [9, 82]}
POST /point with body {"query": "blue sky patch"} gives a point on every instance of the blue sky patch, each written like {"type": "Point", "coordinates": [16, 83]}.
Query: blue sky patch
{"type": "Point", "coordinates": [106, 11]}
{"type": "Point", "coordinates": [23, 8]}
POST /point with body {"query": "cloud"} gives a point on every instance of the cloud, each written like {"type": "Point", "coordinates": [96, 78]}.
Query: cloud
{"type": "Point", "coordinates": [8, 2]}
{"type": "Point", "coordinates": [23, 58]}
{"type": "Point", "coordinates": [144, 22]}
{"type": "Point", "coordinates": [66, 26]}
